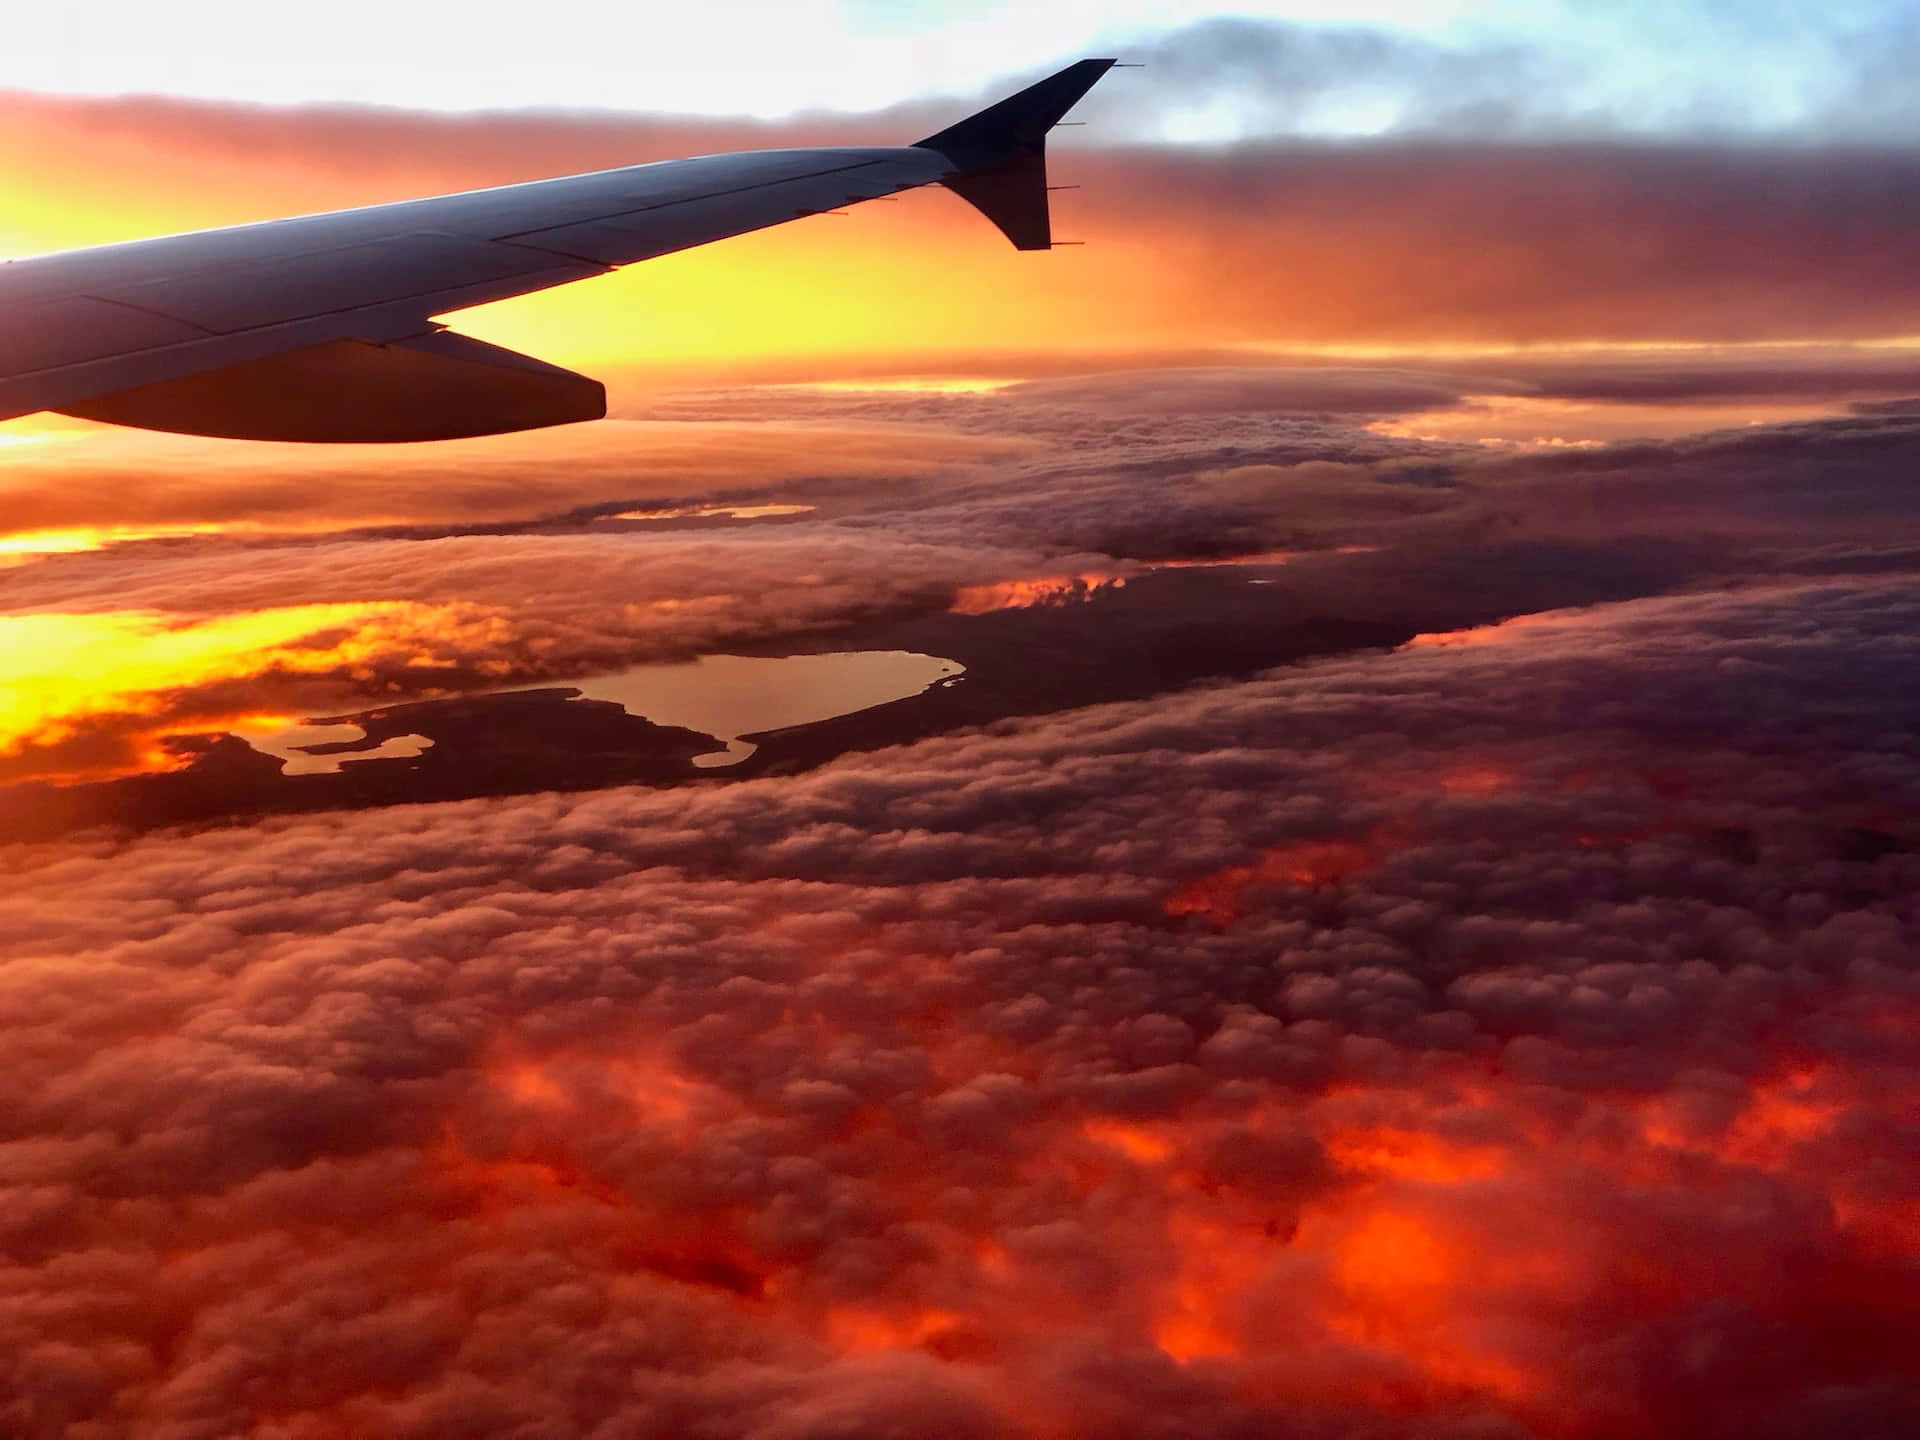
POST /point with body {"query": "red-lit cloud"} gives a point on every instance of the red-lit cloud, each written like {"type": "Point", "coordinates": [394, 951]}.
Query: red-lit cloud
{"type": "Point", "coordinates": [860, 1102]}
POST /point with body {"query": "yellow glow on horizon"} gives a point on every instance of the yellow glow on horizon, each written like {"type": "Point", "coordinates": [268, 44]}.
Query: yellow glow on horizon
{"type": "Point", "coordinates": [23, 545]}
{"type": "Point", "coordinates": [919, 276]}
{"type": "Point", "coordinates": [61, 672]}
{"type": "Point", "coordinates": [38, 430]}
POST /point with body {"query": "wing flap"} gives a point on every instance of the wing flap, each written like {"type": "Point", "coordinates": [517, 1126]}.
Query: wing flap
{"type": "Point", "coordinates": [437, 386]}
{"type": "Point", "coordinates": [64, 386]}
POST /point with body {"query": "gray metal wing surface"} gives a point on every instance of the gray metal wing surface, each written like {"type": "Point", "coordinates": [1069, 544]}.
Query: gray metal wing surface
{"type": "Point", "coordinates": [322, 328]}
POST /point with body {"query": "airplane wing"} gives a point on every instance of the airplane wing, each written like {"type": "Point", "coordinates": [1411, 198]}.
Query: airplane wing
{"type": "Point", "coordinates": [321, 327]}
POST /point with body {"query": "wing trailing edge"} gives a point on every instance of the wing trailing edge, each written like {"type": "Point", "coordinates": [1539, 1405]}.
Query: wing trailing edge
{"type": "Point", "coordinates": [436, 386]}
{"type": "Point", "coordinates": [324, 328]}
{"type": "Point", "coordinates": [1001, 153]}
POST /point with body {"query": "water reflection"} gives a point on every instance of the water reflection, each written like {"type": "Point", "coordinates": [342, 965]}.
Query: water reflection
{"type": "Point", "coordinates": [320, 749]}
{"type": "Point", "coordinates": [725, 696]}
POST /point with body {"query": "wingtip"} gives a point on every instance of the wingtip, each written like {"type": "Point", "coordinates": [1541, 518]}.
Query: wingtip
{"type": "Point", "coordinates": [1018, 124]}
{"type": "Point", "coordinates": [999, 154]}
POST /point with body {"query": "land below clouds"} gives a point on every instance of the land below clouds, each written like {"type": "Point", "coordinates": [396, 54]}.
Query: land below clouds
{"type": "Point", "coordinates": [1102, 533]}
{"type": "Point", "coordinates": [1157, 632]}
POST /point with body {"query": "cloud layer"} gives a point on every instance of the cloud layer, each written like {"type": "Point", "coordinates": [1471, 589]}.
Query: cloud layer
{"type": "Point", "coordinates": [906, 505]}
{"type": "Point", "coordinates": [1346, 1050]}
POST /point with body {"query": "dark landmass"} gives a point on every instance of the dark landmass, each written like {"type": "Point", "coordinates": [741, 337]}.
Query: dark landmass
{"type": "Point", "coordinates": [1171, 628]}
{"type": "Point", "coordinates": [502, 744]}
{"type": "Point", "coordinates": [1159, 632]}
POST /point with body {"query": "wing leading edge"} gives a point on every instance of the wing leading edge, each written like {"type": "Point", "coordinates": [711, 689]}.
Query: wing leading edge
{"type": "Point", "coordinates": [321, 328]}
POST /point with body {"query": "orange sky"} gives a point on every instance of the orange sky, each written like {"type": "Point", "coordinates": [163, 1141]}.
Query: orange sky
{"type": "Point", "coordinates": [924, 273]}
{"type": "Point", "coordinates": [1383, 246]}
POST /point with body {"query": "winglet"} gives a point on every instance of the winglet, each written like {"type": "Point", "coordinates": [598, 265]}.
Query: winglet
{"type": "Point", "coordinates": [1000, 154]}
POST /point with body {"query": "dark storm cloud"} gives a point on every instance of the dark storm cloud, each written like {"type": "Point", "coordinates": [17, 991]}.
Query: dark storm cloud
{"type": "Point", "coordinates": [1199, 1066]}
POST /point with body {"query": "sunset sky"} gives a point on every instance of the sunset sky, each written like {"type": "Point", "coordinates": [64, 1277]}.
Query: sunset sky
{"type": "Point", "coordinates": [1396, 916]}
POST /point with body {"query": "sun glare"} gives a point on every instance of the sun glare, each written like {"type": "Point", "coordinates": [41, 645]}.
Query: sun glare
{"type": "Point", "coordinates": [137, 670]}
{"type": "Point", "coordinates": [23, 545]}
